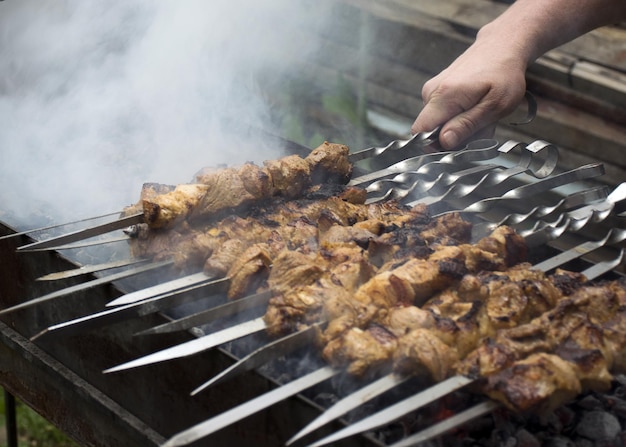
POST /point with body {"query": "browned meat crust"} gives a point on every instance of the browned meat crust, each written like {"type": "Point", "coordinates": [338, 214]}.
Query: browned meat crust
{"type": "Point", "coordinates": [216, 191]}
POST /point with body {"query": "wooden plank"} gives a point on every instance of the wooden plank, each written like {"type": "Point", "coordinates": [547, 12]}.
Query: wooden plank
{"type": "Point", "coordinates": [405, 33]}
{"type": "Point", "coordinates": [605, 46]}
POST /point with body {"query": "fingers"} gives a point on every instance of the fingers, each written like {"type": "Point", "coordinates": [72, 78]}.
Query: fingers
{"type": "Point", "coordinates": [468, 113]}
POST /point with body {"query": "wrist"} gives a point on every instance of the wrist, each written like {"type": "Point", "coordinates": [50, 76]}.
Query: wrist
{"type": "Point", "coordinates": [508, 48]}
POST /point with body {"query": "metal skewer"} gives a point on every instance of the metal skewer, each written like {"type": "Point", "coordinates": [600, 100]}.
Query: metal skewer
{"type": "Point", "coordinates": [85, 233]}
{"type": "Point", "coordinates": [431, 165]}
{"type": "Point", "coordinates": [142, 308]}
{"type": "Point", "coordinates": [87, 285]}
{"type": "Point", "coordinates": [86, 269]}
{"type": "Point", "coordinates": [255, 405]}
{"type": "Point", "coordinates": [52, 227]}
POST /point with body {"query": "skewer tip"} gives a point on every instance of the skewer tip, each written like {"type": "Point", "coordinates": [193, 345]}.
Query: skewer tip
{"type": "Point", "coordinates": [39, 334]}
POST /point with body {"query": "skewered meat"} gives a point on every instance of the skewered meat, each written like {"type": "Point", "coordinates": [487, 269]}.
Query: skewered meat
{"type": "Point", "coordinates": [318, 296]}
{"type": "Point", "coordinates": [283, 225]}
{"type": "Point", "coordinates": [249, 271]}
{"type": "Point", "coordinates": [586, 332]}
{"type": "Point", "coordinates": [347, 268]}
{"type": "Point", "coordinates": [433, 338]}
{"type": "Point", "coordinates": [216, 191]}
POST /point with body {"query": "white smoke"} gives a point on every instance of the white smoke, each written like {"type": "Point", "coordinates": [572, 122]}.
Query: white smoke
{"type": "Point", "coordinates": [97, 98]}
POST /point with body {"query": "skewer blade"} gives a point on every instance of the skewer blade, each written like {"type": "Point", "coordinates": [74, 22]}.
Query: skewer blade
{"type": "Point", "coordinates": [121, 313]}
{"type": "Point", "coordinates": [351, 402]}
{"type": "Point", "coordinates": [160, 289]}
{"type": "Point", "coordinates": [448, 424]}
{"type": "Point", "coordinates": [51, 227]}
{"type": "Point", "coordinates": [603, 267]}
{"type": "Point", "coordinates": [250, 407]}
{"type": "Point", "coordinates": [571, 254]}
{"type": "Point", "coordinates": [86, 269]}
{"type": "Point", "coordinates": [83, 244]}
{"type": "Point", "coordinates": [400, 148]}
{"type": "Point", "coordinates": [262, 355]}
{"type": "Point", "coordinates": [87, 285]}
{"type": "Point", "coordinates": [209, 315]}
{"type": "Point", "coordinates": [397, 410]}
{"type": "Point", "coordinates": [86, 233]}
{"type": "Point", "coordinates": [195, 346]}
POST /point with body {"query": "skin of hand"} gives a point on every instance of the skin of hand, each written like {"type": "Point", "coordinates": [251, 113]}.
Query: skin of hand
{"type": "Point", "coordinates": [471, 95]}
{"type": "Point", "coordinates": [487, 82]}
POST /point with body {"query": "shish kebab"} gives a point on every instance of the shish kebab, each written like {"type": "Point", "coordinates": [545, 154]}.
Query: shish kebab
{"type": "Point", "coordinates": [325, 376]}
{"type": "Point", "coordinates": [284, 390]}
{"type": "Point", "coordinates": [477, 151]}
{"type": "Point", "coordinates": [547, 291]}
{"type": "Point", "coordinates": [378, 157]}
{"type": "Point", "coordinates": [549, 162]}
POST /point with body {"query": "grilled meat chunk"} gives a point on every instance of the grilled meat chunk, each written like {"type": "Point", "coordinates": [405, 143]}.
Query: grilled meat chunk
{"type": "Point", "coordinates": [453, 322]}
{"type": "Point", "coordinates": [249, 271]}
{"type": "Point", "coordinates": [585, 332]}
{"type": "Point", "coordinates": [324, 298]}
{"type": "Point", "coordinates": [541, 381]}
{"type": "Point", "coordinates": [171, 209]}
{"type": "Point", "coordinates": [215, 191]}
{"type": "Point", "coordinates": [329, 163]}
{"type": "Point", "coordinates": [290, 175]}
{"type": "Point", "coordinates": [375, 345]}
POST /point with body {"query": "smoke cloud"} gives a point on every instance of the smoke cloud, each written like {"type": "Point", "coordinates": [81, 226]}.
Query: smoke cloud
{"type": "Point", "coordinates": [97, 98]}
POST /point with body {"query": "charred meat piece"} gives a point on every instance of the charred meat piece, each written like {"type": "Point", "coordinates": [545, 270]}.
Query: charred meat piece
{"type": "Point", "coordinates": [249, 271]}
{"type": "Point", "coordinates": [585, 332]}
{"type": "Point", "coordinates": [329, 163]}
{"type": "Point", "coordinates": [541, 381]}
{"type": "Point", "coordinates": [173, 208]}
{"type": "Point", "coordinates": [454, 321]}
{"type": "Point", "coordinates": [216, 191]}
{"type": "Point", "coordinates": [319, 300]}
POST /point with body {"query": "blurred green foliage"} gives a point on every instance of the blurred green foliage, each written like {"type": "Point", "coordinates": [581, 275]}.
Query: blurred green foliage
{"type": "Point", "coordinates": [33, 430]}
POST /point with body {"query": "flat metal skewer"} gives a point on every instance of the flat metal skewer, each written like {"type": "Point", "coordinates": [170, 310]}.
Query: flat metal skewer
{"type": "Point", "coordinates": [92, 268]}
{"type": "Point", "coordinates": [351, 402]}
{"type": "Point", "coordinates": [431, 165]}
{"type": "Point", "coordinates": [138, 309]}
{"type": "Point", "coordinates": [81, 244]}
{"type": "Point", "coordinates": [165, 287]}
{"type": "Point", "coordinates": [207, 316]}
{"type": "Point", "coordinates": [85, 233]}
{"type": "Point", "coordinates": [250, 407]}
{"type": "Point", "coordinates": [87, 285]}
{"type": "Point", "coordinates": [52, 227]}
{"type": "Point", "coordinates": [259, 357]}
{"type": "Point", "coordinates": [448, 424]}
{"type": "Point", "coordinates": [196, 346]}
{"type": "Point", "coordinates": [540, 186]}
{"type": "Point", "coordinates": [397, 410]}
{"type": "Point", "coordinates": [416, 142]}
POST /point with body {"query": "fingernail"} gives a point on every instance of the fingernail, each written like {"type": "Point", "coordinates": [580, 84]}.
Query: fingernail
{"type": "Point", "coordinates": [450, 139]}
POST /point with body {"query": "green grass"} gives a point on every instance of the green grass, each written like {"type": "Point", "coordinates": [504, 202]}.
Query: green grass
{"type": "Point", "coordinates": [33, 430]}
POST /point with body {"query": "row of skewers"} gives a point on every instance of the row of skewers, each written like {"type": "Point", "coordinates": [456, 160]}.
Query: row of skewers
{"type": "Point", "coordinates": [384, 289]}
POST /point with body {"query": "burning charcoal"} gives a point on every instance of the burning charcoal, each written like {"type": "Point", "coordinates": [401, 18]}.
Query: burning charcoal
{"type": "Point", "coordinates": [590, 402]}
{"type": "Point", "coordinates": [582, 442]}
{"type": "Point", "coordinates": [566, 416]}
{"type": "Point", "coordinates": [559, 420]}
{"type": "Point", "coordinates": [617, 406]}
{"type": "Point", "coordinates": [598, 426]}
{"type": "Point", "coordinates": [558, 441]}
{"type": "Point", "coordinates": [526, 439]}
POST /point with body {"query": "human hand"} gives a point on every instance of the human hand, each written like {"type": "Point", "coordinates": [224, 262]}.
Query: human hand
{"type": "Point", "coordinates": [472, 94]}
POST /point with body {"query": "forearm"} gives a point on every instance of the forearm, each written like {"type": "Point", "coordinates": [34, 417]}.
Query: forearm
{"type": "Point", "coordinates": [533, 27]}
